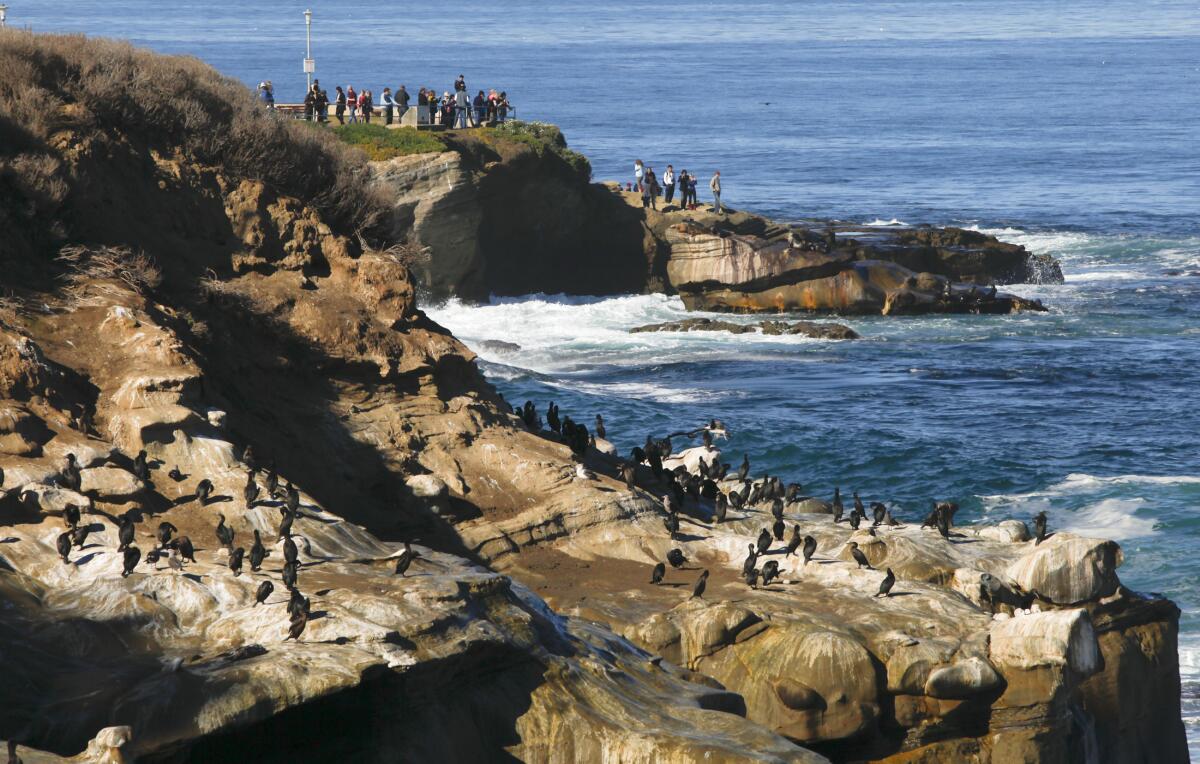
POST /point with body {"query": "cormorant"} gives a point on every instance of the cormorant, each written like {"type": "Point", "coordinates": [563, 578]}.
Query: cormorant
{"type": "Point", "coordinates": [752, 578]}
{"type": "Point", "coordinates": [600, 431]}
{"type": "Point", "coordinates": [764, 541]}
{"type": "Point", "coordinates": [855, 519]}
{"type": "Point", "coordinates": [656, 576]}
{"type": "Point", "coordinates": [203, 490]}
{"type": "Point", "coordinates": [71, 515]}
{"type": "Point", "coordinates": [698, 589]}
{"type": "Point", "coordinates": [289, 575]}
{"type": "Point", "coordinates": [264, 591]}
{"type": "Point", "coordinates": [676, 558]}
{"type": "Point", "coordinates": [885, 586]}
{"type": "Point", "coordinates": [80, 534]}
{"type": "Point", "coordinates": [859, 557]}
{"type": "Point", "coordinates": [235, 561]}
{"type": "Point", "coordinates": [751, 559]}
{"type": "Point", "coordinates": [292, 498]}
{"type": "Point", "coordinates": [224, 533]}
{"type": "Point", "coordinates": [1039, 526]}
{"type": "Point", "coordinates": [777, 508]}
{"type": "Point", "coordinates": [298, 604]}
{"type": "Point", "coordinates": [777, 529]}
{"type": "Point", "coordinates": [744, 470]}
{"type": "Point", "coordinates": [183, 545]}
{"type": "Point", "coordinates": [629, 475]}
{"type": "Point", "coordinates": [272, 480]}
{"type": "Point", "coordinates": [285, 524]}
{"type": "Point", "coordinates": [130, 559]}
{"type": "Point", "coordinates": [793, 542]}
{"type": "Point", "coordinates": [125, 533]}
{"type": "Point", "coordinates": [858, 505]}
{"type": "Point", "coordinates": [290, 554]}
{"type": "Point", "coordinates": [152, 558]}
{"type": "Point", "coordinates": [810, 547]}
{"type": "Point", "coordinates": [671, 522]}
{"type": "Point", "coordinates": [297, 627]}
{"type": "Point", "coordinates": [722, 507]}
{"type": "Point", "coordinates": [878, 511]}
{"type": "Point", "coordinates": [64, 546]}
{"type": "Point", "coordinates": [165, 531]}
{"type": "Point", "coordinates": [250, 492]}
{"type": "Point", "coordinates": [248, 458]}
{"type": "Point", "coordinates": [405, 559]}
{"type": "Point", "coordinates": [770, 569]}
{"type": "Point", "coordinates": [71, 476]}
{"type": "Point", "coordinates": [176, 475]}
{"type": "Point", "coordinates": [257, 552]}
{"type": "Point", "coordinates": [837, 504]}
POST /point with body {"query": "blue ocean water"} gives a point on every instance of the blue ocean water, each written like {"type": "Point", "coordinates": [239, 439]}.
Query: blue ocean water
{"type": "Point", "coordinates": [1071, 127]}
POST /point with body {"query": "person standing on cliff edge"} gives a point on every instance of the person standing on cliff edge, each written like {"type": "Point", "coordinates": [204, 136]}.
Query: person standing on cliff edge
{"type": "Point", "coordinates": [715, 186]}
{"type": "Point", "coordinates": [668, 184]}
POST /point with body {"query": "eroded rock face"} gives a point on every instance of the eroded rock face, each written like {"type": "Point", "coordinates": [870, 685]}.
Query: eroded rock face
{"type": "Point", "coordinates": [1067, 569]}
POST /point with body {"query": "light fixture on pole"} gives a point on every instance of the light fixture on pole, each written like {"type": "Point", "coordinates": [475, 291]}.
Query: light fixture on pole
{"type": "Point", "coordinates": [3, 13]}
{"type": "Point", "coordinates": [310, 66]}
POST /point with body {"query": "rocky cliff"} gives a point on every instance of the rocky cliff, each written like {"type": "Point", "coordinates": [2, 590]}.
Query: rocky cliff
{"type": "Point", "coordinates": [191, 350]}
{"type": "Point", "coordinates": [497, 217]}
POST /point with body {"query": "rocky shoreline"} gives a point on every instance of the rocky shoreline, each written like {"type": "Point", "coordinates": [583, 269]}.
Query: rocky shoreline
{"type": "Point", "coordinates": [506, 220]}
{"type": "Point", "coordinates": [472, 587]}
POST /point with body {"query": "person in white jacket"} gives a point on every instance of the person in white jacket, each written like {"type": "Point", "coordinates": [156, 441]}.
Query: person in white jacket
{"type": "Point", "coordinates": [668, 184]}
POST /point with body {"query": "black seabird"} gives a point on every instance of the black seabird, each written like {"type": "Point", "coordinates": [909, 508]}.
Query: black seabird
{"type": "Point", "coordinates": [600, 431]}
{"type": "Point", "coordinates": [235, 561]}
{"type": "Point", "coordinates": [656, 575]}
{"type": "Point", "coordinates": [629, 475]}
{"type": "Point", "coordinates": [721, 508]}
{"type": "Point", "coordinates": [777, 529]}
{"type": "Point", "coordinates": [125, 533]}
{"type": "Point", "coordinates": [141, 470]}
{"type": "Point", "coordinates": [858, 505]}
{"type": "Point", "coordinates": [1039, 526]}
{"type": "Point", "coordinates": [71, 515]}
{"type": "Point", "coordinates": [885, 586]}
{"type": "Point", "coordinates": [878, 511]}
{"type": "Point", "coordinates": [183, 545]}
{"type": "Point", "coordinates": [769, 570]}
{"type": "Point", "coordinates": [64, 546]}
{"type": "Point", "coordinates": [698, 589]}
{"type": "Point", "coordinates": [165, 531]}
{"type": "Point", "coordinates": [764, 541]}
{"type": "Point", "coordinates": [130, 560]}
{"type": "Point", "coordinates": [71, 476]}
{"type": "Point", "coordinates": [676, 558]}
{"type": "Point", "coordinates": [837, 504]}
{"type": "Point", "coordinates": [264, 591]}
{"type": "Point", "coordinates": [404, 560]}
{"type": "Point", "coordinates": [296, 628]}
{"type": "Point", "coordinates": [250, 492]}
{"type": "Point", "coordinates": [671, 522]}
{"type": "Point", "coordinates": [290, 554]}
{"type": "Point", "coordinates": [80, 534]}
{"type": "Point", "coordinates": [289, 575]}
{"type": "Point", "coordinates": [224, 533]}
{"type": "Point", "coordinates": [751, 560]}
{"type": "Point", "coordinates": [859, 557]}
{"type": "Point", "coordinates": [285, 525]}
{"type": "Point", "coordinates": [203, 491]}
{"type": "Point", "coordinates": [175, 474]}
{"type": "Point", "coordinates": [810, 547]}
{"type": "Point", "coordinates": [258, 552]}
{"type": "Point", "coordinates": [793, 542]}
{"type": "Point", "coordinates": [297, 605]}
{"type": "Point", "coordinates": [752, 578]}
{"type": "Point", "coordinates": [744, 470]}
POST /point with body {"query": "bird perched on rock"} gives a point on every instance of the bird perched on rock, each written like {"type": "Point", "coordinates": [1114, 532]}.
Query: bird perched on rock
{"type": "Point", "coordinates": [130, 560]}
{"type": "Point", "coordinates": [552, 418]}
{"type": "Point", "coordinates": [80, 534]}
{"type": "Point", "coordinates": [858, 506]}
{"type": "Point", "coordinates": [855, 519]}
{"type": "Point", "coordinates": [744, 470]}
{"type": "Point", "coordinates": [671, 523]}
{"type": "Point", "coordinates": [859, 557]}
{"type": "Point", "coordinates": [931, 519]}
{"type": "Point", "coordinates": [720, 508]}
{"type": "Point", "coordinates": [203, 490]}
{"type": "Point", "coordinates": [264, 591]}
{"type": "Point", "coordinates": [810, 547]}
{"type": "Point", "coordinates": [141, 469]}
{"type": "Point", "coordinates": [165, 531]}
{"type": "Point", "coordinates": [71, 516]}
{"type": "Point", "coordinates": [152, 558]}
{"type": "Point", "coordinates": [629, 475]}
{"type": "Point", "coordinates": [272, 480]}
{"type": "Point", "coordinates": [289, 575]}
{"type": "Point", "coordinates": [291, 500]}
{"type": "Point", "coordinates": [769, 571]}
{"type": "Point", "coordinates": [176, 475]}
{"type": "Point", "coordinates": [125, 533]}
{"type": "Point", "coordinates": [793, 542]}
{"type": "Point", "coordinates": [235, 560]}
{"type": "Point", "coordinates": [72, 476]}
{"type": "Point", "coordinates": [656, 575]}
{"type": "Point", "coordinates": [250, 492]}
{"type": "Point", "coordinates": [285, 524]}
{"type": "Point", "coordinates": [885, 586]}
{"type": "Point", "coordinates": [751, 559]}
{"type": "Point", "coordinates": [296, 627]}
{"type": "Point", "coordinates": [600, 431]}
{"type": "Point", "coordinates": [183, 545]}
{"type": "Point", "coordinates": [290, 554]}
{"type": "Point", "coordinates": [676, 558]}
{"type": "Point", "coordinates": [1039, 526]}
{"type": "Point", "coordinates": [405, 559]}
{"type": "Point", "coordinates": [777, 529]}
{"type": "Point", "coordinates": [698, 589]}
{"type": "Point", "coordinates": [777, 508]}
{"type": "Point", "coordinates": [764, 541]}
{"type": "Point", "coordinates": [224, 533]}
{"type": "Point", "coordinates": [878, 511]}
{"type": "Point", "coordinates": [943, 525]}
{"type": "Point", "coordinates": [837, 504]}
{"type": "Point", "coordinates": [64, 546]}
{"type": "Point", "coordinates": [752, 578]}
{"type": "Point", "coordinates": [298, 604]}
{"type": "Point", "coordinates": [258, 552]}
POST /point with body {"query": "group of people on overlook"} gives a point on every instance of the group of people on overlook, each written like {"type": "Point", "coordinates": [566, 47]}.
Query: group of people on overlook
{"type": "Point", "coordinates": [646, 182]}
{"type": "Point", "coordinates": [351, 106]}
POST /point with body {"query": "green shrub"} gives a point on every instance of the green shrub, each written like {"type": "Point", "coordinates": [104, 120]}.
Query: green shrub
{"type": "Point", "coordinates": [543, 137]}
{"type": "Point", "coordinates": [381, 143]}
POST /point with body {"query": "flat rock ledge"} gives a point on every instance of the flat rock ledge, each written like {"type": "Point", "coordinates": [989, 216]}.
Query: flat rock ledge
{"type": "Point", "coordinates": [802, 328]}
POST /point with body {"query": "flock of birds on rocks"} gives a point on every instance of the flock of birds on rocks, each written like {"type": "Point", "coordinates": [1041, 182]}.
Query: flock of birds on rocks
{"type": "Point", "coordinates": [177, 551]}
{"type": "Point", "coordinates": [679, 484]}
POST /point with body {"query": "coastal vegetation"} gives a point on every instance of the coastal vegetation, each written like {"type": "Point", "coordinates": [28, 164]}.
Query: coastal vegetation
{"type": "Point", "coordinates": [543, 138]}
{"type": "Point", "coordinates": [381, 143]}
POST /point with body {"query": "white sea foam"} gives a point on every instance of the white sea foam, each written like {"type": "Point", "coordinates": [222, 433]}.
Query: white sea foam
{"type": "Point", "coordinates": [880, 223]}
{"type": "Point", "coordinates": [1111, 519]}
{"type": "Point", "coordinates": [1082, 483]}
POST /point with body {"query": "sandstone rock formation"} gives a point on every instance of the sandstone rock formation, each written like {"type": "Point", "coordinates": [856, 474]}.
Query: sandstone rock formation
{"type": "Point", "coordinates": [824, 331]}
{"type": "Point", "coordinates": [234, 329]}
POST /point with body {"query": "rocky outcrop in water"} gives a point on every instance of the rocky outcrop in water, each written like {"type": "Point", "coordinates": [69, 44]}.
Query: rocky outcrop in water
{"type": "Point", "coordinates": [822, 331]}
{"type": "Point", "coordinates": [498, 218]}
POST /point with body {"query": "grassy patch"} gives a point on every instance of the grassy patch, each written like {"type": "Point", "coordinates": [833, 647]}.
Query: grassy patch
{"type": "Point", "coordinates": [542, 138]}
{"type": "Point", "coordinates": [381, 143]}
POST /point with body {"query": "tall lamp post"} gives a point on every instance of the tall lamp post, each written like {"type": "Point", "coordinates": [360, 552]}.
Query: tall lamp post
{"type": "Point", "coordinates": [3, 13]}
{"type": "Point", "coordinates": [310, 66]}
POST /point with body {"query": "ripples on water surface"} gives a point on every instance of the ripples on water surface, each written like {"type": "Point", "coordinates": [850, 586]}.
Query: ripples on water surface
{"type": "Point", "coordinates": [1071, 127]}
